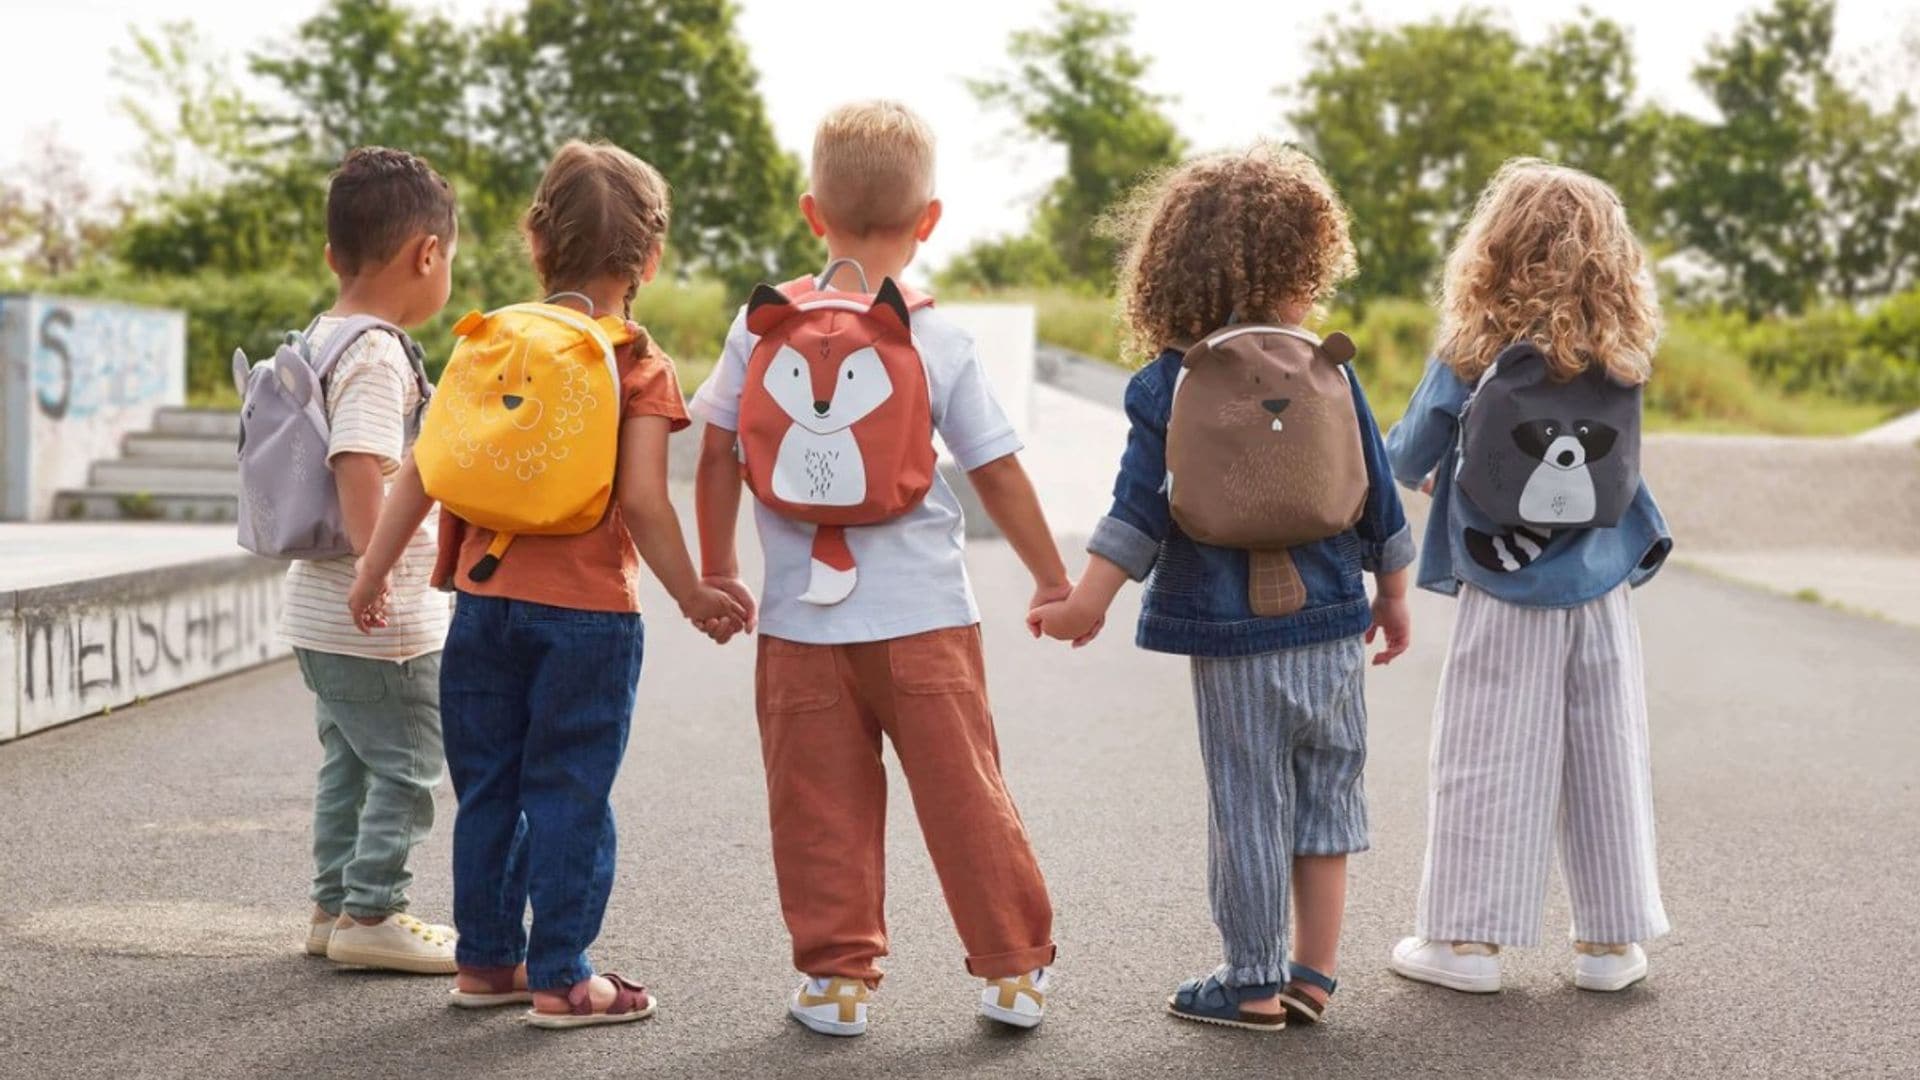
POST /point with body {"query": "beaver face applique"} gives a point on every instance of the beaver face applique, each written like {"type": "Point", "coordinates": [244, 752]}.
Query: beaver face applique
{"type": "Point", "coordinates": [1263, 450]}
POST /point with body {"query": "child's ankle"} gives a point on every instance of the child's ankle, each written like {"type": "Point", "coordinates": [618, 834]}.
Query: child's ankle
{"type": "Point", "coordinates": [1474, 948]}
{"type": "Point", "coordinates": [1593, 948]}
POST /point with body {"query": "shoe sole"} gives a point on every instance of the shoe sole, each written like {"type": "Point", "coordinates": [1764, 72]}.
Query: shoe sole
{"type": "Point", "coordinates": [565, 1021]}
{"type": "Point", "coordinates": [1611, 983]}
{"type": "Point", "coordinates": [318, 946]}
{"type": "Point", "coordinates": [835, 1028]}
{"type": "Point", "coordinates": [461, 999]}
{"type": "Point", "coordinates": [386, 961]}
{"type": "Point", "coordinates": [1010, 1018]}
{"type": "Point", "coordinates": [1218, 1021]}
{"type": "Point", "coordinates": [1465, 984]}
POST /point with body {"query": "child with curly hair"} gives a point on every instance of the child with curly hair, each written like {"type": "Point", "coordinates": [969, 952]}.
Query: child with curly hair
{"type": "Point", "coordinates": [1256, 238]}
{"type": "Point", "coordinates": [1540, 727]}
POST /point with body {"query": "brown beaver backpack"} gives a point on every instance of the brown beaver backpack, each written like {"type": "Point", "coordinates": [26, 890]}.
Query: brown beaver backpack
{"type": "Point", "coordinates": [1263, 451]}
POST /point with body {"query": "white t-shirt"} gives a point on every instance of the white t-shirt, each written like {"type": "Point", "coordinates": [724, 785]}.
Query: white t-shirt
{"type": "Point", "coordinates": [912, 570]}
{"type": "Point", "coordinates": [371, 396]}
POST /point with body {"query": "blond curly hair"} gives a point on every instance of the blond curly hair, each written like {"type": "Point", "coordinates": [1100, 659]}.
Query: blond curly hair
{"type": "Point", "coordinates": [1246, 233]}
{"type": "Point", "coordinates": [1549, 258]}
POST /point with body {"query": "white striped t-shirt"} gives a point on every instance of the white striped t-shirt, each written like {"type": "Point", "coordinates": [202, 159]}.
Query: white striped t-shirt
{"type": "Point", "coordinates": [371, 394]}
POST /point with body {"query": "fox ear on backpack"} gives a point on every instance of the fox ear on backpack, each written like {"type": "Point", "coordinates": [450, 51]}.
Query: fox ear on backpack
{"type": "Point", "coordinates": [890, 305]}
{"type": "Point", "coordinates": [767, 308]}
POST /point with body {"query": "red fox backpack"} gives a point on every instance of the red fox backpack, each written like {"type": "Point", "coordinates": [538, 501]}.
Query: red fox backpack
{"type": "Point", "coordinates": [836, 418]}
{"type": "Point", "coordinates": [1543, 454]}
{"type": "Point", "coordinates": [1263, 451]}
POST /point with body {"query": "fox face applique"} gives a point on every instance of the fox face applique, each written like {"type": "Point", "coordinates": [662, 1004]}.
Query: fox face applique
{"type": "Point", "coordinates": [836, 424]}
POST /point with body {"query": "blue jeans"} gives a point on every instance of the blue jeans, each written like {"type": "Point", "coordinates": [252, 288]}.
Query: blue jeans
{"type": "Point", "coordinates": [379, 727]}
{"type": "Point", "coordinates": [535, 703]}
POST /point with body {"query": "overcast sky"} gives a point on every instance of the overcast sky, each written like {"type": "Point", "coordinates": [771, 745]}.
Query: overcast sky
{"type": "Point", "coordinates": [1221, 59]}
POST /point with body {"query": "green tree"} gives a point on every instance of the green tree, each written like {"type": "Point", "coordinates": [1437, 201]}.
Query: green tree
{"type": "Point", "coordinates": [1588, 117]}
{"type": "Point", "coordinates": [1799, 188]}
{"type": "Point", "coordinates": [1409, 122]}
{"type": "Point", "coordinates": [670, 80]}
{"type": "Point", "coordinates": [1076, 83]}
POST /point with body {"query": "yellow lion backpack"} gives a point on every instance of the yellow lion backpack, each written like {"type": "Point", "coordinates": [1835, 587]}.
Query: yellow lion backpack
{"type": "Point", "coordinates": [524, 429]}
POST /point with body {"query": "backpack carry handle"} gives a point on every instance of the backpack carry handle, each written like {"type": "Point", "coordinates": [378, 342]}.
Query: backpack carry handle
{"type": "Point", "coordinates": [827, 274]}
{"type": "Point", "coordinates": [592, 311]}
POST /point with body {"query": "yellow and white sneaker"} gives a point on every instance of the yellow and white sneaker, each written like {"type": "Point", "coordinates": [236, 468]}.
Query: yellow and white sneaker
{"type": "Point", "coordinates": [1019, 1001]}
{"type": "Point", "coordinates": [399, 942]}
{"type": "Point", "coordinates": [832, 1006]}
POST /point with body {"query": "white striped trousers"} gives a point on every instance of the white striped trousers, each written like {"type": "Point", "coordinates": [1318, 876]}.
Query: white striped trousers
{"type": "Point", "coordinates": [1540, 734]}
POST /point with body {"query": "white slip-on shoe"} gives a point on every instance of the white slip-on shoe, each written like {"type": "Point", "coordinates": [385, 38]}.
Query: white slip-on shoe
{"type": "Point", "coordinates": [399, 942]}
{"type": "Point", "coordinates": [831, 1006]}
{"type": "Point", "coordinates": [1018, 1001]}
{"type": "Point", "coordinates": [319, 933]}
{"type": "Point", "coordinates": [1466, 967]}
{"type": "Point", "coordinates": [1609, 971]}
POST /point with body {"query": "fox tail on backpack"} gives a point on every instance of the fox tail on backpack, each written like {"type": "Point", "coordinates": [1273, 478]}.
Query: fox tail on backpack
{"type": "Point", "coordinates": [830, 572]}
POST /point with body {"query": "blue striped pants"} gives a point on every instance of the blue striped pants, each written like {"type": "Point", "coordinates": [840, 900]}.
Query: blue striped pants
{"type": "Point", "coordinates": [1540, 740]}
{"type": "Point", "coordinates": [1283, 737]}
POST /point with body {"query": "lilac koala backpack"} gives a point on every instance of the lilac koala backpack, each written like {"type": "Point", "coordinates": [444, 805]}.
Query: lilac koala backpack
{"type": "Point", "coordinates": [289, 507]}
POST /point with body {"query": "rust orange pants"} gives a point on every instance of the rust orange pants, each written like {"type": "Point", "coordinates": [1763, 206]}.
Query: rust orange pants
{"type": "Point", "coordinates": [823, 710]}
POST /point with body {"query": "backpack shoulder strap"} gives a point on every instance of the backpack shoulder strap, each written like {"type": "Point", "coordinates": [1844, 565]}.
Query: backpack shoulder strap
{"type": "Point", "coordinates": [352, 330]}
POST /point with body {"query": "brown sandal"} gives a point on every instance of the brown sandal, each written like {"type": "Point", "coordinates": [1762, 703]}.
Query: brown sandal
{"type": "Point", "coordinates": [630, 1002]}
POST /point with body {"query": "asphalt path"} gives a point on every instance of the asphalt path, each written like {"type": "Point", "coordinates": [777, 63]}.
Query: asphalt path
{"type": "Point", "coordinates": [153, 862]}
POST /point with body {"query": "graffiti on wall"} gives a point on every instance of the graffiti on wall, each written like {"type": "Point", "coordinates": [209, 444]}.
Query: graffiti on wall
{"type": "Point", "coordinates": [82, 658]}
{"type": "Point", "coordinates": [89, 358]}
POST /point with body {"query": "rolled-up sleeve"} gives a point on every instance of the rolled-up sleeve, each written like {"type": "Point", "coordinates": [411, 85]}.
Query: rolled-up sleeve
{"type": "Point", "coordinates": [1386, 541]}
{"type": "Point", "coordinates": [1130, 535]}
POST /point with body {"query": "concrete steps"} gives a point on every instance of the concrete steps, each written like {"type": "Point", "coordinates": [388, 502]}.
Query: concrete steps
{"type": "Point", "coordinates": [182, 470]}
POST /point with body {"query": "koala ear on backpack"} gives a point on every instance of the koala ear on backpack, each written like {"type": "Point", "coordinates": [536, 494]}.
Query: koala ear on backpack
{"type": "Point", "coordinates": [767, 308]}
{"type": "Point", "coordinates": [1337, 347]}
{"type": "Point", "coordinates": [890, 306]}
{"type": "Point", "coordinates": [296, 378]}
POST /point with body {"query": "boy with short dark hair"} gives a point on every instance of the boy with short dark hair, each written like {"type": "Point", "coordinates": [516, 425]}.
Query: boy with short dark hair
{"type": "Point", "coordinates": [390, 240]}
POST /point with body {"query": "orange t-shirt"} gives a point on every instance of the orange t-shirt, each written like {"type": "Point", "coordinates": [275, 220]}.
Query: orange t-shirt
{"type": "Point", "coordinates": [597, 570]}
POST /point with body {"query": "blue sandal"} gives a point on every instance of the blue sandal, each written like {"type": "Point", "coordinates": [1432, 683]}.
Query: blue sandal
{"type": "Point", "coordinates": [1302, 1006]}
{"type": "Point", "coordinates": [1211, 1001]}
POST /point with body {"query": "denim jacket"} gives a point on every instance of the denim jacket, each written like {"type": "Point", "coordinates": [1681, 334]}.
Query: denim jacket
{"type": "Point", "coordinates": [1196, 600]}
{"type": "Point", "coordinates": [1571, 567]}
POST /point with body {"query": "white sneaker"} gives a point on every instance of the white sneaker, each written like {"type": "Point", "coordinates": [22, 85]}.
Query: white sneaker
{"type": "Point", "coordinates": [831, 1006]}
{"type": "Point", "coordinates": [1466, 967]}
{"type": "Point", "coordinates": [1612, 971]}
{"type": "Point", "coordinates": [319, 933]}
{"type": "Point", "coordinates": [1018, 1002]}
{"type": "Point", "coordinates": [397, 943]}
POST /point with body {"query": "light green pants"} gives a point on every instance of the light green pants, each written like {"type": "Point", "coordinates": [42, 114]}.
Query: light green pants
{"type": "Point", "coordinates": [379, 728]}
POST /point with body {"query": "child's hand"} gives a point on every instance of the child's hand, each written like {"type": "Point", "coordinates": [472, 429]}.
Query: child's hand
{"type": "Point", "coordinates": [1426, 486]}
{"type": "Point", "coordinates": [1064, 620]}
{"type": "Point", "coordinates": [742, 595]}
{"type": "Point", "coordinates": [715, 613]}
{"type": "Point", "coordinates": [1391, 616]}
{"type": "Point", "coordinates": [367, 601]}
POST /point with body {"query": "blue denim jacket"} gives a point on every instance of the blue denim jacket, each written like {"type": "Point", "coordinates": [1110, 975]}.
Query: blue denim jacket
{"type": "Point", "coordinates": [1571, 567]}
{"type": "Point", "coordinates": [1196, 601]}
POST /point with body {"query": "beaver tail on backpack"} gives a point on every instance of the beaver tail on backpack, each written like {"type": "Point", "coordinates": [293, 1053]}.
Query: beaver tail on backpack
{"type": "Point", "coordinates": [830, 572]}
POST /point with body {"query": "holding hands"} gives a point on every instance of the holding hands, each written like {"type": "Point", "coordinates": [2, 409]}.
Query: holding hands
{"type": "Point", "coordinates": [721, 607]}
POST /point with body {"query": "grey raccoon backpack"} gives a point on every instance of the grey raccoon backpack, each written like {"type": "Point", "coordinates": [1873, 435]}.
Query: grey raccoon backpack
{"type": "Point", "coordinates": [289, 507]}
{"type": "Point", "coordinates": [1547, 454]}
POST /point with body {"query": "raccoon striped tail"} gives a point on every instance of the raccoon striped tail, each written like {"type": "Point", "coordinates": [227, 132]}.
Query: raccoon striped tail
{"type": "Point", "coordinates": [830, 573]}
{"type": "Point", "coordinates": [1509, 551]}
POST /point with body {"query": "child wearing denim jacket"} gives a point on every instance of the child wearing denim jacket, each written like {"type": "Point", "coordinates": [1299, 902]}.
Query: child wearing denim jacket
{"type": "Point", "coordinates": [543, 658]}
{"type": "Point", "coordinates": [390, 240]}
{"type": "Point", "coordinates": [1540, 728]}
{"type": "Point", "coordinates": [1254, 237]}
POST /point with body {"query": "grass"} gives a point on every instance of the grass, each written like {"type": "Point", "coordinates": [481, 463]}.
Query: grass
{"type": "Point", "coordinates": [1702, 382]}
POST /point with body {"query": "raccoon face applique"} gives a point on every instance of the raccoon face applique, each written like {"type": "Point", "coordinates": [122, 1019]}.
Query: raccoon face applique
{"type": "Point", "coordinates": [1560, 489]}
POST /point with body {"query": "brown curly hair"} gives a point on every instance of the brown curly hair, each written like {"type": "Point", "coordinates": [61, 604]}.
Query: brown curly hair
{"type": "Point", "coordinates": [598, 211]}
{"type": "Point", "coordinates": [1244, 233]}
{"type": "Point", "coordinates": [1549, 258]}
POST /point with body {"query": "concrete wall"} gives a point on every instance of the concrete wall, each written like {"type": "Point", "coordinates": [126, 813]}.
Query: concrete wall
{"type": "Point", "coordinates": [75, 377]}
{"type": "Point", "coordinates": [68, 651]}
